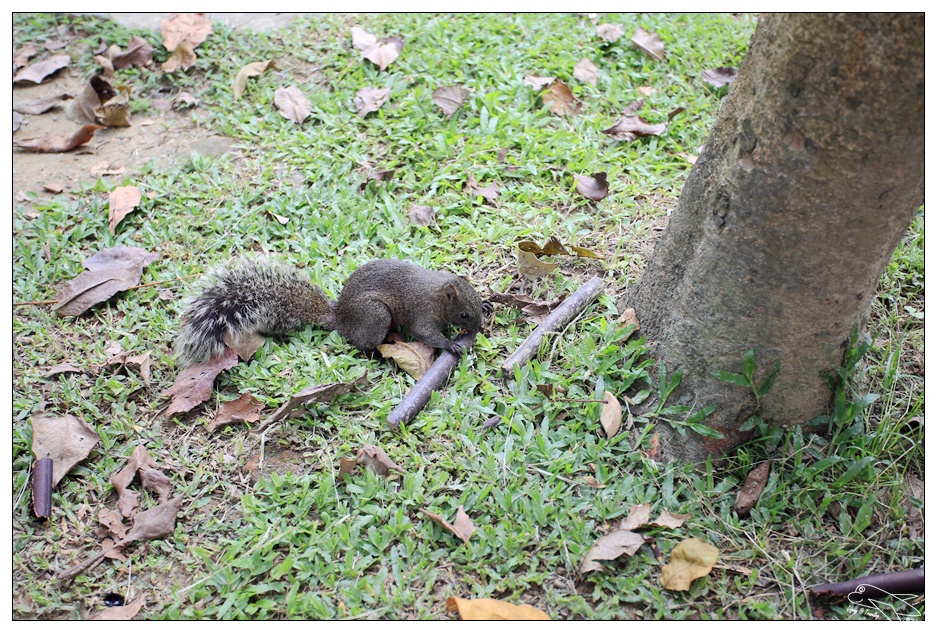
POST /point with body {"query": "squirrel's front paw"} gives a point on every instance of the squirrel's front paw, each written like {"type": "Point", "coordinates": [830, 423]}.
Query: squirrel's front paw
{"type": "Point", "coordinates": [455, 348]}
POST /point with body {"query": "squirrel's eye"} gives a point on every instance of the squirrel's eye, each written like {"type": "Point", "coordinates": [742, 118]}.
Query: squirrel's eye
{"type": "Point", "coordinates": [464, 315]}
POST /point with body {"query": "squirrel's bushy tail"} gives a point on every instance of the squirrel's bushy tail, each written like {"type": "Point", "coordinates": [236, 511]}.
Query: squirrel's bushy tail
{"type": "Point", "coordinates": [249, 297]}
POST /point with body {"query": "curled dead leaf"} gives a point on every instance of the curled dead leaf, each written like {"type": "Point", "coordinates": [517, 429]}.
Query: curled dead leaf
{"type": "Point", "coordinates": [292, 104]}
{"type": "Point", "coordinates": [753, 487]}
{"type": "Point", "coordinates": [414, 357]}
{"type": "Point", "coordinates": [586, 71]}
{"type": "Point", "coordinates": [593, 187]}
{"type": "Point", "coordinates": [461, 528]}
{"type": "Point", "coordinates": [244, 409]}
{"type": "Point", "coordinates": [254, 69]}
{"type": "Point", "coordinates": [558, 96]}
{"type": "Point", "coordinates": [631, 127]}
{"type": "Point", "coordinates": [65, 439]}
{"type": "Point", "coordinates": [531, 267]}
{"type": "Point", "coordinates": [536, 82]}
{"type": "Point", "coordinates": [650, 43]}
{"type": "Point", "coordinates": [609, 32]}
{"type": "Point", "coordinates": [182, 58]}
{"type": "Point", "coordinates": [637, 517]}
{"type": "Point", "coordinates": [106, 273]}
{"type": "Point", "coordinates": [193, 385]}
{"type": "Point", "coordinates": [721, 76]}
{"type": "Point", "coordinates": [50, 143]}
{"type": "Point", "coordinates": [610, 547]}
{"type": "Point", "coordinates": [488, 192]}
{"type": "Point", "coordinates": [421, 215]}
{"type": "Point", "coordinates": [369, 100]}
{"type": "Point", "coordinates": [39, 72]}
{"type": "Point", "coordinates": [611, 414]}
{"type": "Point", "coordinates": [319, 393]}
{"type": "Point", "coordinates": [374, 458]}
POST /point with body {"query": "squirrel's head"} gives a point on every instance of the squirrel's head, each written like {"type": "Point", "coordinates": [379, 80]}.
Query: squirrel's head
{"type": "Point", "coordinates": [464, 307]}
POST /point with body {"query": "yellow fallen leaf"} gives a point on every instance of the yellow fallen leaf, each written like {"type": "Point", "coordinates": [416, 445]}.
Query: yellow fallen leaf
{"type": "Point", "coordinates": [493, 610]}
{"type": "Point", "coordinates": [254, 69]}
{"type": "Point", "coordinates": [690, 560]}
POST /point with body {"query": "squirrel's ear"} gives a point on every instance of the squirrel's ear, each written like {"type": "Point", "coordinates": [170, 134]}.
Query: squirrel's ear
{"type": "Point", "coordinates": [449, 292]}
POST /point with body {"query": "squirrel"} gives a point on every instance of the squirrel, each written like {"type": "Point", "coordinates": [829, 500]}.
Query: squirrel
{"type": "Point", "coordinates": [256, 297]}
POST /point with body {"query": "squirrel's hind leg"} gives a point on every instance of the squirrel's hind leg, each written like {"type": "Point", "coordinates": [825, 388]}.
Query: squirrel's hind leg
{"type": "Point", "coordinates": [372, 321]}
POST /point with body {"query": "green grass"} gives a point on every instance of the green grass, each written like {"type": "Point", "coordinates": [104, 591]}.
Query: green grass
{"type": "Point", "coordinates": [307, 545]}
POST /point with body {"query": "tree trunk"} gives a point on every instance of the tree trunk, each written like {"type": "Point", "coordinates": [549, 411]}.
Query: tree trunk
{"type": "Point", "coordinates": [812, 174]}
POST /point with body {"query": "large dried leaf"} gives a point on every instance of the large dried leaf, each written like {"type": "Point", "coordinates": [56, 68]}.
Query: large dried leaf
{"type": "Point", "coordinates": [193, 28]}
{"type": "Point", "coordinates": [155, 523]}
{"type": "Point", "coordinates": [65, 439]}
{"type": "Point", "coordinates": [488, 192]}
{"type": "Point", "coordinates": [593, 187]}
{"type": "Point", "coordinates": [689, 560]}
{"type": "Point", "coordinates": [721, 76]}
{"type": "Point", "coordinates": [630, 127]}
{"type": "Point", "coordinates": [609, 32]}
{"type": "Point", "coordinates": [560, 99]}
{"type": "Point", "coordinates": [461, 528]}
{"type": "Point", "coordinates": [120, 202]}
{"type": "Point", "coordinates": [586, 71]}
{"type": "Point", "coordinates": [64, 367]}
{"type": "Point", "coordinates": [536, 82]}
{"type": "Point", "coordinates": [292, 104]}
{"type": "Point", "coordinates": [381, 53]}
{"type": "Point", "coordinates": [49, 143]}
{"type": "Point", "coordinates": [611, 414]}
{"type": "Point", "coordinates": [374, 458]}
{"type": "Point", "coordinates": [254, 69]}
{"type": "Point", "coordinates": [670, 520]}
{"type": "Point", "coordinates": [610, 547]}
{"type": "Point", "coordinates": [321, 393]}
{"type": "Point", "coordinates": [244, 409]}
{"type": "Point", "coordinates": [531, 267]}
{"type": "Point", "coordinates": [369, 100]}
{"type": "Point", "coordinates": [38, 72]}
{"type": "Point", "coordinates": [193, 385]}
{"type": "Point", "coordinates": [107, 272]}
{"type": "Point", "coordinates": [450, 98]}
{"type": "Point", "coordinates": [552, 247]}
{"type": "Point", "coordinates": [182, 58]}
{"type": "Point", "coordinates": [650, 43]}
{"type": "Point", "coordinates": [119, 613]}
{"type": "Point", "coordinates": [140, 461]}
{"type": "Point", "coordinates": [113, 521]}
{"type": "Point", "coordinates": [414, 357]}
{"type": "Point", "coordinates": [38, 106]}
{"type": "Point", "coordinates": [493, 610]}
{"type": "Point", "coordinates": [362, 39]}
{"type": "Point", "coordinates": [753, 487]}
{"type": "Point", "coordinates": [637, 517]}
{"type": "Point", "coordinates": [138, 53]}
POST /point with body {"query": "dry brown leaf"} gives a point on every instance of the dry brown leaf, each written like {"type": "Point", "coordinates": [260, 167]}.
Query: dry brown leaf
{"type": "Point", "coordinates": [630, 127]}
{"type": "Point", "coordinates": [107, 272]}
{"type": "Point", "coordinates": [591, 481]}
{"type": "Point", "coordinates": [374, 458]}
{"type": "Point", "coordinates": [155, 523]}
{"type": "Point", "coordinates": [527, 304]}
{"type": "Point", "coordinates": [246, 345]}
{"type": "Point", "coordinates": [142, 363]}
{"type": "Point", "coordinates": [244, 409]}
{"type": "Point", "coordinates": [21, 58]}
{"type": "Point", "coordinates": [64, 367]}
{"type": "Point", "coordinates": [753, 487]}
{"type": "Point", "coordinates": [50, 143]}
{"type": "Point", "coordinates": [346, 466]}
{"type": "Point", "coordinates": [649, 43]}
{"type": "Point", "coordinates": [193, 28]}
{"type": "Point", "coordinates": [119, 613]}
{"type": "Point", "coordinates": [593, 187]}
{"type": "Point", "coordinates": [138, 53]}
{"type": "Point", "coordinates": [721, 76]}
{"type": "Point", "coordinates": [637, 517]}
{"type": "Point", "coordinates": [113, 521]}
{"type": "Point", "coordinates": [369, 100]}
{"type": "Point", "coordinates": [321, 393]}
{"type": "Point", "coordinates": [414, 357]}
{"type": "Point", "coordinates": [39, 72]}
{"type": "Point", "coordinates": [585, 252]}
{"type": "Point", "coordinates": [378, 177]}
{"type": "Point", "coordinates": [121, 201]}
{"type": "Point", "coordinates": [140, 461]}
{"type": "Point", "coordinates": [292, 104]}
{"type": "Point", "coordinates": [193, 385]}
{"type": "Point", "coordinates": [38, 106]}
{"type": "Point", "coordinates": [609, 32]}
{"type": "Point", "coordinates": [489, 192]}
{"type": "Point", "coordinates": [384, 52]}
{"type": "Point", "coordinates": [254, 69]}
{"type": "Point", "coordinates": [610, 547]}
{"type": "Point", "coordinates": [450, 98]}
{"type": "Point", "coordinates": [629, 317]}
{"type": "Point", "coordinates": [362, 39]}
{"type": "Point", "coordinates": [586, 72]}
{"type": "Point", "coordinates": [65, 439]}
{"type": "Point", "coordinates": [92, 95]}
{"type": "Point", "coordinates": [670, 520]}
{"type": "Point", "coordinates": [552, 247]}
{"type": "Point", "coordinates": [558, 96]}
{"type": "Point", "coordinates": [493, 610]}
{"type": "Point", "coordinates": [184, 100]}
{"type": "Point", "coordinates": [689, 560]}
{"type": "Point", "coordinates": [611, 415]}
{"type": "Point", "coordinates": [531, 267]}
{"type": "Point", "coordinates": [182, 58]}
{"type": "Point", "coordinates": [536, 82]}
{"type": "Point", "coordinates": [421, 215]}
{"type": "Point", "coordinates": [653, 453]}
{"type": "Point", "coordinates": [462, 527]}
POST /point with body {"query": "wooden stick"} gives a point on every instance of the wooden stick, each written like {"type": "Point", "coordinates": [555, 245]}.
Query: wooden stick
{"type": "Point", "coordinates": [556, 321]}
{"type": "Point", "coordinates": [432, 380]}
{"type": "Point", "coordinates": [42, 488]}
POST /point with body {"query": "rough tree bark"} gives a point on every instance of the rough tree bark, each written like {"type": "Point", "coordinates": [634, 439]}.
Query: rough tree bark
{"type": "Point", "coordinates": [812, 174]}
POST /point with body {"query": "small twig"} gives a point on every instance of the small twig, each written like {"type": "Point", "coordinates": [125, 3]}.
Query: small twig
{"type": "Point", "coordinates": [34, 303]}
{"type": "Point", "coordinates": [432, 380]}
{"type": "Point", "coordinates": [581, 401]}
{"type": "Point", "coordinates": [557, 320]}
